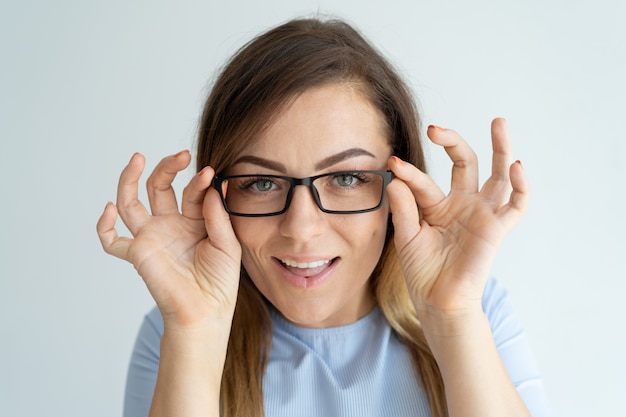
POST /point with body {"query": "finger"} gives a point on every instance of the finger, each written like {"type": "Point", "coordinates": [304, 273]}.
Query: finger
{"type": "Point", "coordinates": [111, 242]}
{"type": "Point", "coordinates": [512, 212]}
{"type": "Point", "coordinates": [217, 222]}
{"type": "Point", "coordinates": [404, 212]}
{"type": "Point", "coordinates": [498, 185]}
{"type": "Point", "coordinates": [425, 192]}
{"type": "Point", "coordinates": [194, 192]}
{"type": "Point", "coordinates": [133, 213]}
{"type": "Point", "coordinates": [161, 195]}
{"type": "Point", "coordinates": [465, 163]}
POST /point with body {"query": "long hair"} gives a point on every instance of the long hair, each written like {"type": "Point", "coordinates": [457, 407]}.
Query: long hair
{"type": "Point", "coordinates": [260, 79]}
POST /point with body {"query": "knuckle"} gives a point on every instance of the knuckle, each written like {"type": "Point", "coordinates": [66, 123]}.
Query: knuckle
{"type": "Point", "coordinates": [151, 182]}
{"type": "Point", "coordinates": [155, 183]}
{"type": "Point", "coordinates": [126, 206]}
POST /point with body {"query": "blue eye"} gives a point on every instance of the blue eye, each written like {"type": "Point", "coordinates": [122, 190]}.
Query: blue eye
{"type": "Point", "coordinates": [263, 185]}
{"type": "Point", "coordinates": [258, 184]}
{"type": "Point", "coordinates": [348, 179]}
{"type": "Point", "coordinates": [345, 180]}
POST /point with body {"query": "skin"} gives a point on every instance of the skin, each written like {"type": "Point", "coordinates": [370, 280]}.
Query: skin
{"type": "Point", "coordinates": [190, 259]}
{"type": "Point", "coordinates": [324, 130]}
{"type": "Point", "coordinates": [446, 258]}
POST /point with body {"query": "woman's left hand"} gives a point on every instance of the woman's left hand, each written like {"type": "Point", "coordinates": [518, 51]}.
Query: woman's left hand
{"type": "Point", "coordinates": [446, 256]}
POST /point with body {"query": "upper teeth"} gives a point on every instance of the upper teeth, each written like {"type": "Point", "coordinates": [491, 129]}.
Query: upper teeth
{"type": "Point", "coordinates": [314, 264]}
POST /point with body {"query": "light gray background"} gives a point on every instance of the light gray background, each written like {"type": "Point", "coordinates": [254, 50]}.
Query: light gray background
{"type": "Point", "coordinates": [85, 84]}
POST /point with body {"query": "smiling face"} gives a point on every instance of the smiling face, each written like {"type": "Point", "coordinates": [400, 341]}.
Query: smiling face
{"type": "Point", "coordinates": [314, 267]}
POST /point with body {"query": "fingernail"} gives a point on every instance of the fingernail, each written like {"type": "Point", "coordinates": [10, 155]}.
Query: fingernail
{"type": "Point", "coordinates": [180, 153]}
{"type": "Point", "coordinates": [520, 163]}
{"type": "Point", "coordinates": [441, 129]}
{"type": "Point", "coordinates": [397, 160]}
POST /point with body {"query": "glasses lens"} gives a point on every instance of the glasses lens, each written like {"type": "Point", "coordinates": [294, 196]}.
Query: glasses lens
{"type": "Point", "coordinates": [350, 191]}
{"type": "Point", "coordinates": [343, 192]}
{"type": "Point", "coordinates": [254, 195]}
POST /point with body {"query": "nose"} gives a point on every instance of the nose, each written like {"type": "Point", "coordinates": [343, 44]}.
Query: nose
{"type": "Point", "coordinates": [303, 219]}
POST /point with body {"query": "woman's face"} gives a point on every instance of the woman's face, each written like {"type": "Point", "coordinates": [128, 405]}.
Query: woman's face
{"type": "Point", "coordinates": [314, 267]}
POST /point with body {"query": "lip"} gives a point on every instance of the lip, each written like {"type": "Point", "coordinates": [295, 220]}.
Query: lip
{"type": "Point", "coordinates": [320, 275]}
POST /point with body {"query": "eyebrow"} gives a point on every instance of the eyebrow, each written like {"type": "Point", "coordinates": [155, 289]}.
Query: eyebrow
{"type": "Point", "coordinates": [324, 163]}
{"type": "Point", "coordinates": [341, 156]}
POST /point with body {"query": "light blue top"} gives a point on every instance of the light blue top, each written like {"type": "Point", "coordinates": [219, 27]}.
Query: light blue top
{"type": "Point", "coordinates": [360, 369]}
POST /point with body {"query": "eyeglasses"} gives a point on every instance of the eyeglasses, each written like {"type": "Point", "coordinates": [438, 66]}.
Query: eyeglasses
{"type": "Point", "coordinates": [344, 192]}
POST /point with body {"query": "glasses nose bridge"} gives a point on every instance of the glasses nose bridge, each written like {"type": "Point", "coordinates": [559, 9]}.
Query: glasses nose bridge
{"type": "Point", "coordinates": [307, 182]}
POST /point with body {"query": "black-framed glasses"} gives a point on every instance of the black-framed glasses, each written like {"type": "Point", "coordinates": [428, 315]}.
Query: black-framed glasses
{"type": "Point", "coordinates": [343, 192]}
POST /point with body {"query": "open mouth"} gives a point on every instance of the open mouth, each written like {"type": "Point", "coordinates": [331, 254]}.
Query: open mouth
{"type": "Point", "coordinates": [307, 269]}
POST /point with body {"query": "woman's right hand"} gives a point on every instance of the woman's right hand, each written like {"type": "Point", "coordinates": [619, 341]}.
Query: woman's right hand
{"type": "Point", "coordinates": [189, 259]}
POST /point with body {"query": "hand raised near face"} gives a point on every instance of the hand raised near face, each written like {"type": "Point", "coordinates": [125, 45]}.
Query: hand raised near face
{"type": "Point", "coordinates": [447, 255]}
{"type": "Point", "coordinates": [189, 259]}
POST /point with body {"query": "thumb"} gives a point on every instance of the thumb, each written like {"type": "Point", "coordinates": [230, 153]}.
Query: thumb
{"type": "Point", "coordinates": [404, 212]}
{"type": "Point", "coordinates": [218, 225]}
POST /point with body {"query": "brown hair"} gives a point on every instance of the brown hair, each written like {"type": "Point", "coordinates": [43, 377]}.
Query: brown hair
{"type": "Point", "coordinates": [259, 80]}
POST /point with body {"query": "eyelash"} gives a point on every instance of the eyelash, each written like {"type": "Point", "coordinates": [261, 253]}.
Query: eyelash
{"type": "Point", "coordinates": [249, 185]}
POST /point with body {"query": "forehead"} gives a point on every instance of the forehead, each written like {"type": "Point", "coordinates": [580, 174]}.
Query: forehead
{"type": "Point", "coordinates": [322, 122]}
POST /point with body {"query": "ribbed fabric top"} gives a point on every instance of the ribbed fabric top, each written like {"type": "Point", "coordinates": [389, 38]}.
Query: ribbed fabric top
{"type": "Point", "coordinates": [360, 369]}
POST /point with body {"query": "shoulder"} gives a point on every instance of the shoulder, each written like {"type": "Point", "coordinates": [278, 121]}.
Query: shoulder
{"type": "Point", "coordinates": [148, 343]}
{"type": "Point", "coordinates": [144, 365]}
{"type": "Point", "coordinates": [154, 320]}
{"type": "Point", "coordinates": [514, 347]}
{"type": "Point", "coordinates": [498, 308]}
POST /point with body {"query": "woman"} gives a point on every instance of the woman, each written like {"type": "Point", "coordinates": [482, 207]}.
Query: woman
{"type": "Point", "coordinates": [314, 268]}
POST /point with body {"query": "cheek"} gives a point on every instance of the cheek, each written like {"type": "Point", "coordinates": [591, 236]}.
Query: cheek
{"type": "Point", "coordinates": [253, 235]}
{"type": "Point", "coordinates": [367, 235]}
{"type": "Point", "coordinates": [379, 220]}
{"type": "Point", "coordinates": [249, 231]}
{"type": "Point", "coordinates": [249, 236]}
